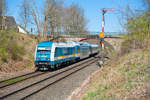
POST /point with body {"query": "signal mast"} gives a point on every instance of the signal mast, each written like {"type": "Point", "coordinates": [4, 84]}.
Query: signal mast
{"type": "Point", "coordinates": [101, 35]}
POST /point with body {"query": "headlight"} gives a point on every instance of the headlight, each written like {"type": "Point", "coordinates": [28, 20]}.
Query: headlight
{"type": "Point", "coordinates": [48, 59]}
{"type": "Point", "coordinates": [37, 58]}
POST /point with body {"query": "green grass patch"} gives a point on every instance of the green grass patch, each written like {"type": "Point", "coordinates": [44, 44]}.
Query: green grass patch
{"type": "Point", "coordinates": [119, 81]}
{"type": "Point", "coordinates": [128, 85]}
{"type": "Point", "coordinates": [31, 57]}
{"type": "Point", "coordinates": [99, 93]}
{"type": "Point", "coordinates": [14, 80]}
{"type": "Point", "coordinates": [3, 54]}
{"type": "Point", "coordinates": [131, 74]}
{"type": "Point", "coordinates": [29, 64]}
{"type": "Point", "coordinates": [123, 69]}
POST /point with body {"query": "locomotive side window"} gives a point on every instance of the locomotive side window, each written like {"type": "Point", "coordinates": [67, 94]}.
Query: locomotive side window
{"type": "Point", "coordinates": [56, 52]}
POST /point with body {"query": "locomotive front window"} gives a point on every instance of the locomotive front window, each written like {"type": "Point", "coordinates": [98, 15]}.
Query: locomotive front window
{"type": "Point", "coordinates": [43, 50]}
{"type": "Point", "coordinates": [39, 49]}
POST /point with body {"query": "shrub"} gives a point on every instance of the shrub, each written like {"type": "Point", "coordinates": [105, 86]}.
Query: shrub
{"type": "Point", "coordinates": [10, 46]}
{"type": "Point", "coordinates": [3, 54]}
{"type": "Point", "coordinates": [15, 50]}
{"type": "Point", "coordinates": [138, 33]}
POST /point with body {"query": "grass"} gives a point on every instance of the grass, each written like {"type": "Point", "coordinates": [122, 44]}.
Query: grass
{"type": "Point", "coordinates": [123, 80]}
{"type": "Point", "coordinates": [29, 64]}
{"type": "Point", "coordinates": [14, 80]}
{"type": "Point", "coordinates": [3, 54]}
{"type": "Point", "coordinates": [9, 45]}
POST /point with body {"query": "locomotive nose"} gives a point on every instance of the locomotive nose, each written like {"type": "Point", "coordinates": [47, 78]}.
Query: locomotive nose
{"type": "Point", "coordinates": [43, 56]}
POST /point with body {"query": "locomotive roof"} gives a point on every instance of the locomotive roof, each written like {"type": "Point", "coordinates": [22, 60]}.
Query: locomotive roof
{"type": "Point", "coordinates": [94, 45]}
{"type": "Point", "coordinates": [85, 44]}
{"type": "Point", "coordinates": [74, 43]}
{"type": "Point", "coordinates": [45, 43]}
{"type": "Point", "coordinates": [58, 44]}
{"type": "Point", "coordinates": [65, 44]}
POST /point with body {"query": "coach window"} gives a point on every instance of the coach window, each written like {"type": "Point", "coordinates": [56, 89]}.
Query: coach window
{"type": "Point", "coordinates": [73, 50]}
{"type": "Point", "coordinates": [78, 50]}
{"type": "Point", "coordinates": [70, 51]}
{"type": "Point", "coordinates": [65, 51]}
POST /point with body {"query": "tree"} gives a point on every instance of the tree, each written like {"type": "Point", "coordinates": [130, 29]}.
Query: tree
{"type": "Point", "coordinates": [53, 18]}
{"type": "Point", "coordinates": [54, 13]}
{"type": "Point", "coordinates": [49, 17]}
{"type": "Point", "coordinates": [25, 14]}
{"type": "Point", "coordinates": [35, 17]}
{"type": "Point", "coordinates": [46, 21]}
{"type": "Point", "coordinates": [3, 11]}
{"type": "Point", "coordinates": [74, 20]}
{"type": "Point", "coordinates": [147, 2]}
{"type": "Point", "coordinates": [3, 7]}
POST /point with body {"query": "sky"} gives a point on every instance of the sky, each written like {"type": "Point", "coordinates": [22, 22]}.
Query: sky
{"type": "Point", "coordinates": [92, 12]}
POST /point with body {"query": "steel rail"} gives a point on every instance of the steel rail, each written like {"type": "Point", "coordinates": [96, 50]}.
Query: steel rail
{"type": "Point", "coordinates": [26, 78]}
{"type": "Point", "coordinates": [35, 83]}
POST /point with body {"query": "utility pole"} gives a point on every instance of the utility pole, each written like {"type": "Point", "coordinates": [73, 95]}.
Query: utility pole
{"type": "Point", "coordinates": [101, 35]}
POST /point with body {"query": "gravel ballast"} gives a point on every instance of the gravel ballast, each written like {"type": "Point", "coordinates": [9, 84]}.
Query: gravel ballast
{"type": "Point", "coordinates": [64, 88]}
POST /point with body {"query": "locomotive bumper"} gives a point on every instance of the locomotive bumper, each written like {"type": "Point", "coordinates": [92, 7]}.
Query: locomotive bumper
{"type": "Point", "coordinates": [42, 65]}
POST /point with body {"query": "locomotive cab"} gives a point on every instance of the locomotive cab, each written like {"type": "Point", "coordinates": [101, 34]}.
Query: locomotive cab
{"type": "Point", "coordinates": [43, 56]}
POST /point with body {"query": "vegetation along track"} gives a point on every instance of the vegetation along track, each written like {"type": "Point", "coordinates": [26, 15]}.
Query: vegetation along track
{"type": "Point", "coordinates": [18, 79]}
{"type": "Point", "coordinates": [36, 87]}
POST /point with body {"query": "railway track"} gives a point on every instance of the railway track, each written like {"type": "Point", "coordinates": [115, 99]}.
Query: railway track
{"type": "Point", "coordinates": [15, 80]}
{"type": "Point", "coordinates": [35, 87]}
{"type": "Point", "coordinates": [16, 77]}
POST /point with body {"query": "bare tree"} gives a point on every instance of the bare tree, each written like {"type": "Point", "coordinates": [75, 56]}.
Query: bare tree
{"type": "Point", "coordinates": [3, 11]}
{"type": "Point", "coordinates": [44, 22]}
{"type": "Point", "coordinates": [49, 17]}
{"type": "Point", "coordinates": [147, 2]}
{"type": "Point", "coordinates": [74, 19]}
{"type": "Point", "coordinates": [36, 17]}
{"type": "Point", "coordinates": [61, 19]}
{"type": "Point", "coordinates": [53, 17]}
{"type": "Point", "coordinates": [25, 13]}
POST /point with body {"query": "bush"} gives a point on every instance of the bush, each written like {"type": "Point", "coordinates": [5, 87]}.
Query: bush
{"type": "Point", "coordinates": [10, 46]}
{"type": "Point", "coordinates": [3, 54]}
{"type": "Point", "coordinates": [15, 50]}
{"type": "Point", "coordinates": [138, 33]}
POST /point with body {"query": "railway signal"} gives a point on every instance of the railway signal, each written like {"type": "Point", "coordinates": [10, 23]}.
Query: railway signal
{"type": "Point", "coordinates": [103, 22]}
{"type": "Point", "coordinates": [101, 35]}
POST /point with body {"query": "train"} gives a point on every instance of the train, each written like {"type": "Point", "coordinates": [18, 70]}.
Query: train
{"type": "Point", "coordinates": [51, 54]}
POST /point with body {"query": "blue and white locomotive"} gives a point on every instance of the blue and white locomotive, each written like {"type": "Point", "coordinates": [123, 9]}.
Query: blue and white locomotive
{"type": "Point", "coordinates": [50, 54]}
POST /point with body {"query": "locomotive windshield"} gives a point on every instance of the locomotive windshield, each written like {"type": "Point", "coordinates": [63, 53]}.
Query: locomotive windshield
{"type": "Point", "coordinates": [43, 49]}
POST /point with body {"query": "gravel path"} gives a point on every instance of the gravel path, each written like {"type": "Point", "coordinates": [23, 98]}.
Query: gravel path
{"type": "Point", "coordinates": [64, 88]}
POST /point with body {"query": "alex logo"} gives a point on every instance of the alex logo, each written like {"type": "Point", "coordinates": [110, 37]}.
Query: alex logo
{"type": "Point", "coordinates": [43, 56]}
{"type": "Point", "coordinates": [43, 52]}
